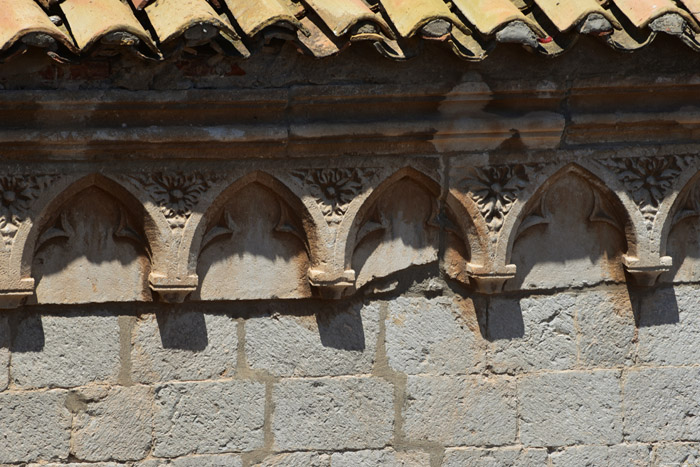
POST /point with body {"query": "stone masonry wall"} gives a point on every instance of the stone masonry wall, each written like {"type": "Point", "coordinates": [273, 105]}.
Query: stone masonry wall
{"type": "Point", "coordinates": [352, 262]}
{"type": "Point", "coordinates": [429, 376]}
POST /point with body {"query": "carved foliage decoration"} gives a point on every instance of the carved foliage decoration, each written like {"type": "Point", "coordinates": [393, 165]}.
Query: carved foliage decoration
{"type": "Point", "coordinates": [334, 189]}
{"type": "Point", "coordinates": [17, 192]}
{"type": "Point", "coordinates": [647, 179]}
{"type": "Point", "coordinates": [175, 193]}
{"type": "Point", "coordinates": [494, 189]}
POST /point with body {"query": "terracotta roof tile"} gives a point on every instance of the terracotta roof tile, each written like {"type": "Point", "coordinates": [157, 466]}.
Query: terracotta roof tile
{"type": "Point", "coordinates": [408, 16]}
{"type": "Point", "coordinates": [488, 16]}
{"type": "Point", "coordinates": [253, 17]}
{"type": "Point", "coordinates": [194, 18]}
{"type": "Point", "coordinates": [470, 28]}
{"type": "Point", "coordinates": [109, 21]}
{"type": "Point", "coordinates": [24, 22]}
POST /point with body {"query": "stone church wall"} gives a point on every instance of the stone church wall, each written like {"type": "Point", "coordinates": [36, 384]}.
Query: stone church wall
{"type": "Point", "coordinates": [331, 265]}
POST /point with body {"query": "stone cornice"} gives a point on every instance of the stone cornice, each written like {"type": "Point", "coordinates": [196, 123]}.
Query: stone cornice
{"type": "Point", "coordinates": [308, 121]}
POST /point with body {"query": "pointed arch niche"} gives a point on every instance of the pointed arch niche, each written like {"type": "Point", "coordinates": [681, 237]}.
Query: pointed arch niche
{"type": "Point", "coordinates": [254, 245]}
{"type": "Point", "coordinates": [571, 233]}
{"type": "Point", "coordinates": [92, 246]}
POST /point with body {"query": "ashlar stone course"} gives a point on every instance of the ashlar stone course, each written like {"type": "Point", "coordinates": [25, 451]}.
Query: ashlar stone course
{"type": "Point", "coordinates": [568, 408]}
{"type": "Point", "coordinates": [661, 404]}
{"type": "Point", "coordinates": [460, 411]}
{"type": "Point", "coordinates": [331, 342]}
{"type": "Point", "coordinates": [504, 457]}
{"type": "Point", "coordinates": [183, 346]}
{"type": "Point", "coordinates": [65, 350]}
{"type": "Point", "coordinates": [208, 417]}
{"type": "Point", "coordinates": [533, 333]}
{"type": "Point", "coordinates": [450, 344]}
{"type": "Point", "coordinates": [332, 413]}
{"type": "Point", "coordinates": [112, 424]}
{"type": "Point", "coordinates": [34, 426]}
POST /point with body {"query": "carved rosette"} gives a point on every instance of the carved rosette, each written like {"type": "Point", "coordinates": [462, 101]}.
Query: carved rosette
{"type": "Point", "coordinates": [647, 179]}
{"type": "Point", "coordinates": [494, 189]}
{"type": "Point", "coordinates": [17, 193]}
{"type": "Point", "coordinates": [175, 193]}
{"type": "Point", "coordinates": [334, 189]}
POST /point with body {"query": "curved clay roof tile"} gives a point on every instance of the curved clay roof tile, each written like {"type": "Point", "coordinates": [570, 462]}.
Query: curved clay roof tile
{"type": "Point", "coordinates": [172, 18]}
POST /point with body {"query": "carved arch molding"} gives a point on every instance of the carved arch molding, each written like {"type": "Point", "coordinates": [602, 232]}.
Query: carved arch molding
{"type": "Point", "coordinates": [224, 231]}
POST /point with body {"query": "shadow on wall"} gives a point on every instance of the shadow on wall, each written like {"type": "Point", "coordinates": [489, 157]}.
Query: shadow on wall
{"type": "Point", "coordinates": [185, 330]}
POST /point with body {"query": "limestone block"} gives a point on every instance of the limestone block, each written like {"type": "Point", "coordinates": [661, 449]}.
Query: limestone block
{"type": "Point", "coordinates": [385, 458]}
{"type": "Point", "coordinates": [220, 460]}
{"type": "Point", "coordinates": [177, 345]}
{"type": "Point", "coordinates": [113, 424]}
{"type": "Point", "coordinates": [453, 410]}
{"type": "Point", "coordinates": [4, 353]}
{"type": "Point", "coordinates": [677, 454]}
{"type": "Point", "coordinates": [669, 326]}
{"type": "Point", "coordinates": [661, 404]}
{"type": "Point", "coordinates": [532, 333]}
{"type": "Point", "coordinates": [80, 464]}
{"type": "Point", "coordinates": [559, 409]}
{"type": "Point", "coordinates": [296, 459]}
{"type": "Point", "coordinates": [606, 327]}
{"type": "Point", "coordinates": [208, 418]}
{"type": "Point", "coordinates": [330, 342]}
{"type": "Point", "coordinates": [332, 413]}
{"type": "Point", "coordinates": [505, 457]}
{"type": "Point", "coordinates": [622, 454]}
{"type": "Point", "coordinates": [450, 344]}
{"type": "Point", "coordinates": [205, 460]}
{"type": "Point", "coordinates": [65, 350]}
{"type": "Point", "coordinates": [35, 426]}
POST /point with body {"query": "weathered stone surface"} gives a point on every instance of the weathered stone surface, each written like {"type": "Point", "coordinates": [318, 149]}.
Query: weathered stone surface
{"type": "Point", "coordinates": [452, 410]}
{"type": "Point", "coordinates": [332, 413]}
{"type": "Point", "coordinates": [559, 409]}
{"type": "Point", "coordinates": [385, 458]}
{"type": "Point", "coordinates": [221, 460]}
{"type": "Point", "coordinates": [606, 327]}
{"type": "Point", "coordinates": [532, 333]}
{"type": "Point", "coordinates": [661, 404]}
{"type": "Point", "coordinates": [66, 350]}
{"type": "Point", "coordinates": [574, 247]}
{"type": "Point", "coordinates": [112, 424]}
{"type": "Point", "coordinates": [676, 454]}
{"type": "Point", "coordinates": [94, 261]}
{"type": "Point", "coordinates": [297, 459]}
{"type": "Point", "coordinates": [628, 455]}
{"type": "Point", "coordinates": [669, 326]}
{"type": "Point", "coordinates": [79, 464]}
{"type": "Point", "coordinates": [183, 345]}
{"type": "Point", "coordinates": [34, 426]}
{"type": "Point", "coordinates": [450, 344]}
{"type": "Point", "coordinates": [505, 457]}
{"type": "Point", "coordinates": [208, 418]}
{"type": "Point", "coordinates": [4, 352]}
{"type": "Point", "coordinates": [206, 460]}
{"type": "Point", "coordinates": [332, 342]}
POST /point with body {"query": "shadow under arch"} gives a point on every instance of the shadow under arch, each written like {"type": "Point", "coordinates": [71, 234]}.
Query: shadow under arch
{"type": "Point", "coordinates": [195, 232]}
{"type": "Point", "coordinates": [685, 205]}
{"type": "Point", "coordinates": [577, 201]}
{"type": "Point", "coordinates": [50, 208]}
{"type": "Point", "coordinates": [455, 213]}
{"type": "Point", "coordinates": [625, 212]}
